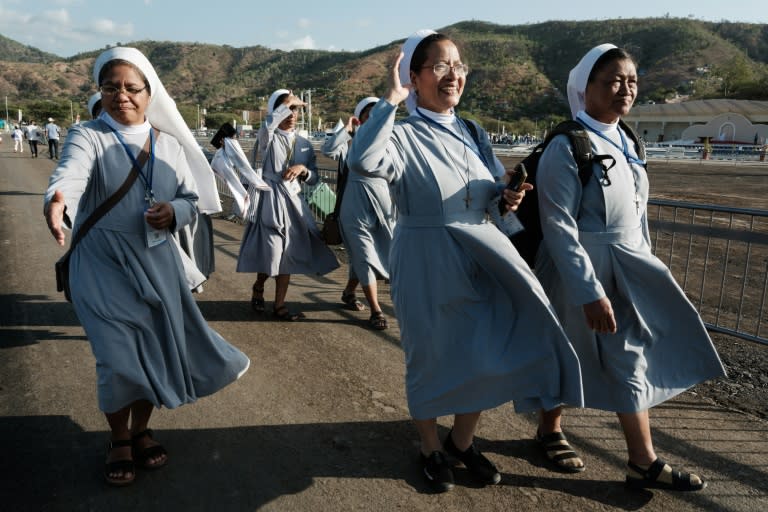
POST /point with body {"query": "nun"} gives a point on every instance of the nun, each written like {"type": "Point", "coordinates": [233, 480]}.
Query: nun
{"type": "Point", "coordinates": [476, 327]}
{"type": "Point", "coordinates": [366, 220]}
{"type": "Point", "coordinates": [231, 165]}
{"type": "Point", "coordinates": [639, 340]}
{"type": "Point", "coordinates": [152, 346]}
{"type": "Point", "coordinates": [281, 237]}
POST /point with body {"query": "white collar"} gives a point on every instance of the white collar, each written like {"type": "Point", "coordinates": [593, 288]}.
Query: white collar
{"type": "Point", "coordinates": [290, 134]}
{"type": "Point", "coordinates": [444, 119]}
{"type": "Point", "coordinates": [125, 128]}
{"type": "Point", "coordinates": [596, 125]}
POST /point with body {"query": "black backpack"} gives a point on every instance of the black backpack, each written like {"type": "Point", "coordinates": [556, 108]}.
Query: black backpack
{"type": "Point", "coordinates": [527, 241]}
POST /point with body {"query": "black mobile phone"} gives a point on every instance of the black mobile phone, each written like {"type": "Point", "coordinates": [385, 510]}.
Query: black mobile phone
{"type": "Point", "coordinates": [518, 178]}
{"type": "Point", "coordinates": [516, 181]}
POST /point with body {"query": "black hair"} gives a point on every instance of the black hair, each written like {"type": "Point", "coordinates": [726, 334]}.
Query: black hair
{"type": "Point", "coordinates": [367, 108]}
{"type": "Point", "coordinates": [419, 56]}
{"type": "Point", "coordinates": [605, 59]}
{"type": "Point", "coordinates": [106, 68]}
{"type": "Point", "coordinates": [96, 108]}
{"type": "Point", "coordinates": [225, 130]}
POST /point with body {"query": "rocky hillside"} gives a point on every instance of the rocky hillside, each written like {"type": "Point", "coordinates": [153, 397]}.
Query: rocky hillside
{"type": "Point", "coordinates": [517, 72]}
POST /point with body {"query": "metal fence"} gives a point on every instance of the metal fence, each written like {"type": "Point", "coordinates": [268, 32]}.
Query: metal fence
{"type": "Point", "coordinates": [719, 256]}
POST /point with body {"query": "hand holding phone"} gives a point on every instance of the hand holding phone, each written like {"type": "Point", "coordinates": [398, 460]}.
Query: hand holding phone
{"type": "Point", "coordinates": [515, 182]}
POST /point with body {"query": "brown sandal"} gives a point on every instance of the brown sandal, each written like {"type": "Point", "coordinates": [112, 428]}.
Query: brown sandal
{"type": "Point", "coordinates": [282, 314]}
{"type": "Point", "coordinates": [257, 300]}
{"type": "Point", "coordinates": [350, 299]}
{"type": "Point", "coordinates": [143, 456]}
{"type": "Point", "coordinates": [378, 321]}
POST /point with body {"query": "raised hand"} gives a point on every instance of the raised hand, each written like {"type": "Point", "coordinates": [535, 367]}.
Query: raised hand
{"type": "Point", "coordinates": [397, 91]}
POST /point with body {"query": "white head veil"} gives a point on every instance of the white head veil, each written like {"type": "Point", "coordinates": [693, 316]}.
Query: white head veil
{"type": "Point", "coordinates": [163, 115]}
{"type": "Point", "coordinates": [405, 64]}
{"type": "Point", "coordinates": [364, 103]}
{"type": "Point", "coordinates": [577, 78]}
{"type": "Point", "coordinates": [92, 102]}
{"type": "Point", "coordinates": [273, 98]}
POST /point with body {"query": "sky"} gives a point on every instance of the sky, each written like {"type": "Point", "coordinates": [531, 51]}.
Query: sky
{"type": "Point", "coordinates": [68, 27]}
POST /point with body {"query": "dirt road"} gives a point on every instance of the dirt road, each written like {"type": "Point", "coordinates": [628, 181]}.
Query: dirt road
{"type": "Point", "coordinates": [318, 423]}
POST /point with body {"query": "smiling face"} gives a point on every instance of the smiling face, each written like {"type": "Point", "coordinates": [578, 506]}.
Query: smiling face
{"type": "Point", "coordinates": [612, 91]}
{"type": "Point", "coordinates": [123, 107]}
{"type": "Point", "coordinates": [439, 94]}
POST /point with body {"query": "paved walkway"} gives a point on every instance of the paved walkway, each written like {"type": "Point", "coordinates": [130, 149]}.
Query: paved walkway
{"type": "Point", "coordinates": [318, 423]}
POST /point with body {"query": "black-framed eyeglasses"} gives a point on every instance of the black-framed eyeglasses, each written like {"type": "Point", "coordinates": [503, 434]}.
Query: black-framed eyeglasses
{"type": "Point", "coordinates": [111, 89]}
{"type": "Point", "coordinates": [441, 69]}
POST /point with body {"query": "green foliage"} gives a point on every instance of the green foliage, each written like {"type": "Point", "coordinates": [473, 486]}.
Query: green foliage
{"type": "Point", "coordinates": [517, 73]}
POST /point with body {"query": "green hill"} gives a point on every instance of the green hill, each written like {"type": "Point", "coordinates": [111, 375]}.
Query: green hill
{"type": "Point", "coordinates": [517, 73]}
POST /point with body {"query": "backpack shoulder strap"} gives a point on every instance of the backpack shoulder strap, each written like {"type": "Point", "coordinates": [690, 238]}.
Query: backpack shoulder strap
{"type": "Point", "coordinates": [639, 145]}
{"type": "Point", "coordinates": [582, 147]}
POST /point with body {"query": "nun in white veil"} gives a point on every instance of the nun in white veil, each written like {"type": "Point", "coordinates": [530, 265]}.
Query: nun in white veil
{"type": "Point", "coordinates": [639, 340]}
{"type": "Point", "coordinates": [152, 346]}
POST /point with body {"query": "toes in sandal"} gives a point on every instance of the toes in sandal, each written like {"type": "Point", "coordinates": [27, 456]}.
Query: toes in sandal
{"type": "Point", "coordinates": [378, 321]}
{"type": "Point", "coordinates": [124, 466]}
{"type": "Point", "coordinates": [143, 456]}
{"type": "Point", "coordinates": [650, 478]}
{"type": "Point", "coordinates": [559, 452]}
{"type": "Point", "coordinates": [257, 300]}
{"type": "Point", "coordinates": [350, 299]}
{"type": "Point", "coordinates": [282, 314]}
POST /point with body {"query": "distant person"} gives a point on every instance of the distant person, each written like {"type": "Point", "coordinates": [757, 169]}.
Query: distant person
{"type": "Point", "coordinates": [152, 346]}
{"type": "Point", "coordinates": [18, 139]}
{"type": "Point", "coordinates": [33, 137]}
{"type": "Point", "coordinates": [476, 327]}
{"type": "Point", "coordinates": [94, 105]}
{"type": "Point", "coordinates": [230, 164]}
{"type": "Point", "coordinates": [281, 238]}
{"type": "Point", "coordinates": [366, 220]}
{"type": "Point", "coordinates": [52, 133]}
{"type": "Point", "coordinates": [639, 340]}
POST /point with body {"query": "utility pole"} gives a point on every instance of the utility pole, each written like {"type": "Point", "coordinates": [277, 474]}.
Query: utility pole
{"type": "Point", "coordinates": [309, 112]}
{"type": "Point", "coordinates": [7, 119]}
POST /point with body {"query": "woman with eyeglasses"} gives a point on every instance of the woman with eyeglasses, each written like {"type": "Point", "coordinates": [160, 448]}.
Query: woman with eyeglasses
{"type": "Point", "coordinates": [366, 218]}
{"type": "Point", "coordinates": [153, 348]}
{"type": "Point", "coordinates": [281, 237]}
{"type": "Point", "coordinates": [476, 327]}
{"type": "Point", "coordinates": [639, 340]}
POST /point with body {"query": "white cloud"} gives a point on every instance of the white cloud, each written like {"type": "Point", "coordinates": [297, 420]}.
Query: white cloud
{"type": "Point", "coordinates": [104, 26]}
{"type": "Point", "coordinates": [304, 22]}
{"type": "Point", "coordinates": [363, 22]}
{"type": "Point", "coordinates": [59, 17]}
{"type": "Point", "coordinates": [303, 43]}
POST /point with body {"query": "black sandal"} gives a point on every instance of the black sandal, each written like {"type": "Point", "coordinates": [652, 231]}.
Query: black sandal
{"type": "Point", "coordinates": [650, 478]}
{"type": "Point", "coordinates": [351, 302]}
{"type": "Point", "coordinates": [378, 321]}
{"type": "Point", "coordinates": [558, 450]}
{"type": "Point", "coordinates": [257, 300]}
{"type": "Point", "coordinates": [124, 465]}
{"type": "Point", "coordinates": [282, 314]}
{"type": "Point", "coordinates": [143, 456]}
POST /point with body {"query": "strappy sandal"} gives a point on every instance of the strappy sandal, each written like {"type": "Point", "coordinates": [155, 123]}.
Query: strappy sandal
{"type": "Point", "coordinates": [282, 314]}
{"type": "Point", "coordinates": [143, 456]}
{"type": "Point", "coordinates": [378, 321]}
{"type": "Point", "coordinates": [558, 450]}
{"type": "Point", "coordinates": [257, 300]}
{"type": "Point", "coordinates": [124, 465]}
{"type": "Point", "coordinates": [350, 300]}
{"type": "Point", "coordinates": [650, 478]}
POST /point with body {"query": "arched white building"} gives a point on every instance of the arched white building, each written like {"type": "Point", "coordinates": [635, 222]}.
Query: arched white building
{"type": "Point", "coordinates": [722, 120]}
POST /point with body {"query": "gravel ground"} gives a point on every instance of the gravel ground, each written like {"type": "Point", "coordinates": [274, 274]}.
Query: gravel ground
{"type": "Point", "coordinates": [746, 386]}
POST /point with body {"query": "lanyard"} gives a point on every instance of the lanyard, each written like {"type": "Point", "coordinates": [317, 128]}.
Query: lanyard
{"type": "Point", "coordinates": [149, 194]}
{"type": "Point", "coordinates": [624, 146]}
{"type": "Point", "coordinates": [461, 139]}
